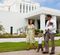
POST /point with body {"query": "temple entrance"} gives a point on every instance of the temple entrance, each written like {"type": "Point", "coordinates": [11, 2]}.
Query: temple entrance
{"type": "Point", "coordinates": [41, 25]}
{"type": "Point", "coordinates": [58, 24]}
{"type": "Point", "coordinates": [38, 22]}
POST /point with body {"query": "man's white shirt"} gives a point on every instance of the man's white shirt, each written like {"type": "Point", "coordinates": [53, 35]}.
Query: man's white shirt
{"type": "Point", "coordinates": [53, 29]}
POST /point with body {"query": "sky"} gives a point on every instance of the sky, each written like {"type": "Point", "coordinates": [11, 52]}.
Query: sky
{"type": "Point", "coordinates": [49, 3]}
{"type": "Point", "coordinates": [1, 1]}
{"type": "Point", "coordinates": [46, 3]}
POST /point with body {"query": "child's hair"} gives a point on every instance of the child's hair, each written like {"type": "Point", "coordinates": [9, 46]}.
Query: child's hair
{"type": "Point", "coordinates": [51, 23]}
{"type": "Point", "coordinates": [40, 34]}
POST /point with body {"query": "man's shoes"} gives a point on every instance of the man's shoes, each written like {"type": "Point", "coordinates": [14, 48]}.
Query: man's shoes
{"type": "Point", "coordinates": [52, 53]}
{"type": "Point", "coordinates": [45, 52]}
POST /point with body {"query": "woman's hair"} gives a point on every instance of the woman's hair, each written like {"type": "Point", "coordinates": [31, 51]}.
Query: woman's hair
{"type": "Point", "coordinates": [30, 20]}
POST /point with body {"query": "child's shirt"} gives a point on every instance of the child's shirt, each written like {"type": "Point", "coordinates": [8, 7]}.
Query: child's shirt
{"type": "Point", "coordinates": [40, 40]}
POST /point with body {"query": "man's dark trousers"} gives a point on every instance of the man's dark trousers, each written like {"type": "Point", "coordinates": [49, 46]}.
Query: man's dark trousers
{"type": "Point", "coordinates": [48, 36]}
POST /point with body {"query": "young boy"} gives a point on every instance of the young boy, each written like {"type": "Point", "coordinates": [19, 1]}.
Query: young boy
{"type": "Point", "coordinates": [48, 29]}
{"type": "Point", "coordinates": [40, 42]}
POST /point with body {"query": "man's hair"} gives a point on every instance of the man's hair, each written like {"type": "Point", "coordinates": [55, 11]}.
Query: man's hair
{"type": "Point", "coordinates": [49, 16]}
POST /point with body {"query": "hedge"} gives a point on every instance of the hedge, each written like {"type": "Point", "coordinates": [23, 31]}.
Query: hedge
{"type": "Point", "coordinates": [13, 36]}
{"type": "Point", "coordinates": [23, 35]}
{"type": "Point", "coordinates": [58, 34]}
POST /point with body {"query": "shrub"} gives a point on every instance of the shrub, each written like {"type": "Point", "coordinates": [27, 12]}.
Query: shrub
{"type": "Point", "coordinates": [22, 35]}
{"type": "Point", "coordinates": [41, 31]}
{"type": "Point", "coordinates": [57, 34]}
{"type": "Point", "coordinates": [38, 31]}
{"type": "Point", "coordinates": [7, 35]}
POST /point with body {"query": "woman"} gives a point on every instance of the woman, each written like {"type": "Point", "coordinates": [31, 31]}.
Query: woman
{"type": "Point", "coordinates": [30, 34]}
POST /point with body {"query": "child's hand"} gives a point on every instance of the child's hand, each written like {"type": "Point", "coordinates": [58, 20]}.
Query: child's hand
{"type": "Point", "coordinates": [45, 29]}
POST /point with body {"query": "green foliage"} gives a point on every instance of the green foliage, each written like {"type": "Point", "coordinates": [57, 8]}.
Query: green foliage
{"type": "Point", "coordinates": [23, 35]}
{"type": "Point", "coordinates": [57, 34]}
{"type": "Point", "coordinates": [41, 31]}
{"type": "Point", "coordinates": [7, 35]}
{"type": "Point", "coordinates": [37, 31]}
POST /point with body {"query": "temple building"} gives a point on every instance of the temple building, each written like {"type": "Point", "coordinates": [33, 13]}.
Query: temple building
{"type": "Point", "coordinates": [16, 13]}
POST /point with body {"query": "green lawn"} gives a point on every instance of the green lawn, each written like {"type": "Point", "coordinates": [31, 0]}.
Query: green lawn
{"type": "Point", "coordinates": [18, 46]}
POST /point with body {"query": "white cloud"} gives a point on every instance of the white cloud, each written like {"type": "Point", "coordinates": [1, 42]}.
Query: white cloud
{"type": "Point", "coordinates": [1, 1]}
{"type": "Point", "coordinates": [7, 3]}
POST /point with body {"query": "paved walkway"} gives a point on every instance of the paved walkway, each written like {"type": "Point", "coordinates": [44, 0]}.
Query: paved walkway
{"type": "Point", "coordinates": [29, 52]}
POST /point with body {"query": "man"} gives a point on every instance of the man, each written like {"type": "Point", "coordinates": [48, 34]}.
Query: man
{"type": "Point", "coordinates": [49, 35]}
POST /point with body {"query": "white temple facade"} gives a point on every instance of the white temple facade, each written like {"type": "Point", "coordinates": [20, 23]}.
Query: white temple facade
{"type": "Point", "coordinates": [16, 14]}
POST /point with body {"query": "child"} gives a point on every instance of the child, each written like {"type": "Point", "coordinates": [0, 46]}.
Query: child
{"type": "Point", "coordinates": [48, 29]}
{"type": "Point", "coordinates": [40, 42]}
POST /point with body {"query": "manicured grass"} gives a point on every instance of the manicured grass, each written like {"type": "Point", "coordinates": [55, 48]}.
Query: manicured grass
{"type": "Point", "coordinates": [18, 46]}
{"type": "Point", "coordinates": [57, 43]}
{"type": "Point", "coordinates": [12, 46]}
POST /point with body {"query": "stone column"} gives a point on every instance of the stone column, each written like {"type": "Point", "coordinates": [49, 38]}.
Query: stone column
{"type": "Point", "coordinates": [9, 8]}
{"type": "Point", "coordinates": [22, 7]}
{"type": "Point", "coordinates": [36, 25]}
{"type": "Point", "coordinates": [28, 7]}
{"type": "Point", "coordinates": [42, 22]}
{"type": "Point", "coordinates": [25, 8]}
{"type": "Point", "coordinates": [31, 7]}
{"type": "Point", "coordinates": [55, 21]}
